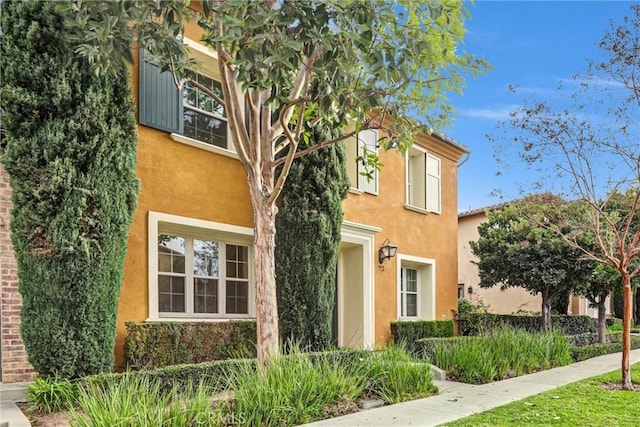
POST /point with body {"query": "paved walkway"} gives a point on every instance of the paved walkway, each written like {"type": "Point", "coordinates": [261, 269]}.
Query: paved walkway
{"type": "Point", "coordinates": [9, 412]}
{"type": "Point", "coordinates": [457, 400]}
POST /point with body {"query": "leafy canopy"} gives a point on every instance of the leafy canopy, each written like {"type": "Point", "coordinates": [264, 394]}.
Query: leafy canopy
{"type": "Point", "coordinates": [342, 59]}
{"type": "Point", "coordinates": [516, 248]}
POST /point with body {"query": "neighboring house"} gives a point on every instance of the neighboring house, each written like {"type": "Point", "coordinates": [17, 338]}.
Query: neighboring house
{"type": "Point", "coordinates": [498, 299]}
{"type": "Point", "coordinates": [190, 247]}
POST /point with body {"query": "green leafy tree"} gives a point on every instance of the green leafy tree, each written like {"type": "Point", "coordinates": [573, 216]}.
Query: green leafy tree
{"type": "Point", "coordinates": [70, 153]}
{"type": "Point", "coordinates": [373, 64]}
{"type": "Point", "coordinates": [515, 250]}
{"type": "Point", "coordinates": [589, 147]}
{"type": "Point", "coordinates": [308, 243]}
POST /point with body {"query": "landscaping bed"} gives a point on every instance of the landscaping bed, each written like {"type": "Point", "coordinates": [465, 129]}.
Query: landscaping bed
{"type": "Point", "coordinates": [296, 389]}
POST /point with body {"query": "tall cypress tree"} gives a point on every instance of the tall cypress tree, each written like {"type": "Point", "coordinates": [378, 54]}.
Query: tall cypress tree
{"type": "Point", "coordinates": [308, 243]}
{"type": "Point", "coordinates": [70, 153]}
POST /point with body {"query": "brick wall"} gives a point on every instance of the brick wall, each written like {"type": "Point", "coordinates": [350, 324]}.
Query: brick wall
{"type": "Point", "coordinates": [15, 366]}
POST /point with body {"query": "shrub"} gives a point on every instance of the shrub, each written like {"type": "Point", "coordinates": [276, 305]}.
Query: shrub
{"type": "Point", "coordinates": [306, 267]}
{"type": "Point", "coordinates": [500, 354]}
{"type": "Point", "coordinates": [582, 339]}
{"type": "Point", "coordinates": [51, 394]}
{"type": "Point", "coordinates": [408, 332]}
{"type": "Point", "coordinates": [614, 324]}
{"type": "Point", "coordinates": [478, 323]}
{"type": "Point", "coordinates": [70, 155]}
{"type": "Point", "coordinates": [594, 350]}
{"type": "Point", "coordinates": [151, 345]}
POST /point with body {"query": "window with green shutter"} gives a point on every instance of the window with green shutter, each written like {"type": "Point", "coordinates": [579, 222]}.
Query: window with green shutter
{"type": "Point", "coordinates": [189, 112]}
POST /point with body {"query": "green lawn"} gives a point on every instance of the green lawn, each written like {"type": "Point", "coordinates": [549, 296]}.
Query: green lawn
{"type": "Point", "coordinates": [585, 403]}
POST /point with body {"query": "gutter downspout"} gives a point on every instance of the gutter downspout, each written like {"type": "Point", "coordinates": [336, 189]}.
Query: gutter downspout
{"type": "Point", "coordinates": [464, 160]}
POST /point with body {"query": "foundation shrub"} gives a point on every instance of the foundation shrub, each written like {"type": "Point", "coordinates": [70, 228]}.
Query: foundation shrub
{"type": "Point", "coordinates": [407, 333]}
{"type": "Point", "coordinates": [153, 345]}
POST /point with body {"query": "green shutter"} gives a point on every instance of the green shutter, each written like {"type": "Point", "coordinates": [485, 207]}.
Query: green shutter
{"type": "Point", "coordinates": [160, 102]}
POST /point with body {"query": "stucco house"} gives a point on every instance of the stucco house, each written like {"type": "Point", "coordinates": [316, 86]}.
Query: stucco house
{"type": "Point", "coordinates": [194, 205]}
{"type": "Point", "coordinates": [498, 299]}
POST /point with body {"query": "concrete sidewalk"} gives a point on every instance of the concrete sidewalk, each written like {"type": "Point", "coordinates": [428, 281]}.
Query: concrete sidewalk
{"type": "Point", "coordinates": [9, 411]}
{"type": "Point", "coordinates": [457, 400]}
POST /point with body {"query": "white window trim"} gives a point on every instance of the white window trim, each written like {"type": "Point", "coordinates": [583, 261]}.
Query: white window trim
{"type": "Point", "coordinates": [402, 300]}
{"type": "Point", "coordinates": [231, 234]}
{"type": "Point", "coordinates": [408, 205]}
{"type": "Point", "coordinates": [204, 146]}
{"type": "Point", "coordinates": [426, 286]}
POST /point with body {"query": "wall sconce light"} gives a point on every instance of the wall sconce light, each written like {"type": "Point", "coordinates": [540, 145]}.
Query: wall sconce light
{"type": "Point", "coordinates": [386, 251]}
{"type": "Point", "coordinates": [470, 289]}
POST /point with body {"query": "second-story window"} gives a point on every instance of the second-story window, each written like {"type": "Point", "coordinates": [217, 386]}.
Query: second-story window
{"type": "Point", "coordinates": [204, 119]}
{"type": "Point", "coordinates": [189, 112]}
{"type": "Point", "coordinates": [362, 178]}
{"type": "Point", "coordinates": [423, 180]}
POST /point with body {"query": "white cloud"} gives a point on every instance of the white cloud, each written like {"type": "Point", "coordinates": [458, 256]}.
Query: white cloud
{"type": "Point", "coordinates": [489, 113]}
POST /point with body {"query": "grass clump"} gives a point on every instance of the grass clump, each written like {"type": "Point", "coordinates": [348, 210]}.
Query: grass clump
{"type": "Point", "coordinates": [501, 353]}
{"type": "Point", "coordinates": [591, 402]}
{"type": "Point", "coordinates": [51, 394]}
{"type": "Point", "coordinates": [136, 401]}
{"type": "Point", "coordinates": [295, 389]}
{"type": "Point", "coordinates": [396, 377]}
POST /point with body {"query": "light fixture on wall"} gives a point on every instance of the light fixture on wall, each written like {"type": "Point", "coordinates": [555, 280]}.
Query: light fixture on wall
{"type": "Point", "coordinates": [470, 289]}
{"type": "Point", "coordinates": [386, 251]}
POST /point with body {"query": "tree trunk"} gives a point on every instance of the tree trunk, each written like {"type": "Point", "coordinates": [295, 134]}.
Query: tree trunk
{"type": "Point", "coordinates": [266, 302]}
{"type": "Point", "coordinates": [546, 311]}
{"type": "Point", "coordinates": [626, 331]}
{"type": "Point", "coordinates": [602, 315]}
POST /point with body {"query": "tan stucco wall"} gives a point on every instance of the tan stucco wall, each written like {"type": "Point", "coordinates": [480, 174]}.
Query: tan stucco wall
{"type": "Point", "coordinates": [501, 301]}
{"type": "Point", "coordinates": [180, 180]}
{"type": "Point", "coordinates": [417, 234]}
{"type": "Point", "coordinates": [186, 181]}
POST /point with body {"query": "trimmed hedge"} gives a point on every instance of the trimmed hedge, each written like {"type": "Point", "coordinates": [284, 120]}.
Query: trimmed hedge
{"type": "Point", "coordinates": [594, 350]}
{"type": "Point", "coordinates": [154, 345]}
{"type": "Point", "coordinates": [408, 332]}
{"type": "Point", "coordinates": [477, 323]}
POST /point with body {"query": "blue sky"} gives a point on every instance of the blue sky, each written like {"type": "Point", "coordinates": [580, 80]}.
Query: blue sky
{"type": "Point", "coordinates": [532, 44]}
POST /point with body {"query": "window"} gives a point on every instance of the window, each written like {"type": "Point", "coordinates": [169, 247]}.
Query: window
{"type": "Point", "coordinates": [408, 292]}
{"type": "Point", "coordinates": [203, 118]}
{"type": "Point", "coordinates": [460, 290]}
{"type": "Point", "coordinates": [188, 112]}
{"type": "Point", "coordinates": [423, 180]}
{"type": "Point", "coordinates": [416, 280]}
{"type": "Point", "coordinates": [361, 178]}
{"type": "Point", "coordinates": [201, 277]}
